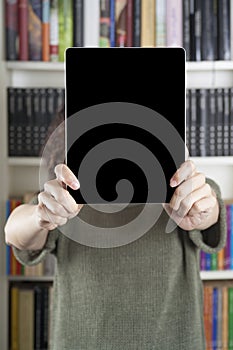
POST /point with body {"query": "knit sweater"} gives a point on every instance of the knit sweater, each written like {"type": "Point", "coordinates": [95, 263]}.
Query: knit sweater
{"type": "Point", "coordinates": [145, 295]}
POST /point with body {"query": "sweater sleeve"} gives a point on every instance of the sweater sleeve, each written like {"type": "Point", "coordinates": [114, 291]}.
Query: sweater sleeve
{"type": "Point", "coordinates": [33, 257]}
{"type": "Point", "coordinates": [212, 239]}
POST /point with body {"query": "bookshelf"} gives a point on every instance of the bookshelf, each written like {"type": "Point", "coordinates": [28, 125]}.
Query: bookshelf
{"type": "Point", "coordinates": [19, 175]}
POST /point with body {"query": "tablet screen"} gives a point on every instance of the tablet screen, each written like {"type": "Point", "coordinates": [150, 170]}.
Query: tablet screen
{"type": "Point", "coordinates": [125, 122]}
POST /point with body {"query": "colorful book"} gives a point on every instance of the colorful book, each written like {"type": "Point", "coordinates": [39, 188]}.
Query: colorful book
{"type": "Point", "coordinates": [11, 24]}
{"type": "Point", "coordinates": [112, 24]}
{"type": "Point", "coordinates": [230, 318]}
{"type": "Point", "coordinates": [225, 318]}
{"type": "Point", "coordinates": [160, 22]}
{"type": "Point", "coordinates": [65, 15]}
{"type": "Point", "coordinates": [23, 30]}
{"type": "Point", "coordinates": [215, 319]}
{"type": "Point", "coordinates": [129, 23]}
{"type": "Point", "coordinates": [35, 30]}
{"type": "Point", "coordinates": [14, 314]}
{"type": "Point", "coordinates": [104, 35]}
{"type": "Point", "coordinates": [148, 23]}
{"type": "Point", "coordinates": [45, 30]}
{"type": "Point", "coordinates": [120, 22]}
{"type": "Point", "coordinates": [54, 31]}
{"type": "Point", "coordinates": [137, 23]}
{"type": "Point", "coordinates": [174, 23]}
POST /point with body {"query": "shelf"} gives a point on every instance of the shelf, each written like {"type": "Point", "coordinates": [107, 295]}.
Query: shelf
{"type": "Point", "coordinates": [24, 161]}
{"type": "Point", "coordinates": [209, 66]}
{"type": "Point", "coordinates": [35, 66]}
{"type": "Point", "coordinates": [30, 278]}
{"type": "Point", "coordinates": [213, 161]}
{"type": "Point", "coordinates": [217, 275]}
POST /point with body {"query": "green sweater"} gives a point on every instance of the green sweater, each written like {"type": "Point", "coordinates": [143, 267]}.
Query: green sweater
{"type": "Point", "coordinates": [145, 295]}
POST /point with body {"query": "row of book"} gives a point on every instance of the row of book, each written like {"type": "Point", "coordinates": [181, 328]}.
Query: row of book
{"type": "Point", "coordinates": [30, 316]}
{"type": "Point", "coordinates": [218, 316]}
{"type": "Point", "coordinates": [13, 266]}
{"type": "Point", "coordinates": [30, 113]}
{"type": "Point", "coordinates": [41, 30]}
{"type": "Point", "coordinates": [209, 122]}
{"type": "Point", "coordinates": [223, 260]}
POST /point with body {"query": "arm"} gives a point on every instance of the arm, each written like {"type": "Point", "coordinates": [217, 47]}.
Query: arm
{"type": "Point", "coordinates": [28, 225]}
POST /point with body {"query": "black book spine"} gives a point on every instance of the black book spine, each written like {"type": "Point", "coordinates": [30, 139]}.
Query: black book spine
{"type": "Point", "coordinates": [226, 121]}
{"type": "Point", "coordinates": [211, 121]}
{"type": "Point", "coordinates": [44, 318]}
{"type": "Point", "coordinates": [224, 47]}
{"type": "Point", "coordinates": [192, 30]}
{"type": "Point", "coordinates": [11, 25]}
{"type": "Point", "coordinates": [137, 23]}
{"type": "Point", "coordinates": [231, 122]}
{"type": "Point", "coordinates": [20, 121]}
{"type": "Point", "coordinates": [219, 122]}
{"type": "Point", "coordinates": [78, 23]}
{"type": "Point", "coordinates": [207, 29]}
{"type": "Point", "coordinates": [11, 104]}
{"type": "Point", "coordinates": [36, 123]}
{"type": "Point", "coordinates": [202, 116]}
{"type": "Point", "coordinates": [186, 28]}
{"type": "Point", "coordinates": [198, 30]}
{"type": "Point", "coordinates": [194, 146]}
{"type": "Point", "coordinates": [188, 119]}
{"type": "Point", "coordinates": [29, 122]}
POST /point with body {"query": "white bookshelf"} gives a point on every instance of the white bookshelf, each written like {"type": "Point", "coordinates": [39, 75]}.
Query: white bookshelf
{"type": "Point", "coordinates": [217, 275]}
{"type": "Point", "coordinates": [30, 278]}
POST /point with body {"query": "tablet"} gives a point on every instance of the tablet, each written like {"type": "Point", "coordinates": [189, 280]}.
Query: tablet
{"type": "Point", "coordinates": [125, 122]}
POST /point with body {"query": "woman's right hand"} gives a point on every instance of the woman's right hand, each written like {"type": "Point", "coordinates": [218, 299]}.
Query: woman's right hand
{"type": "Point", "coordinates": [56, 205]}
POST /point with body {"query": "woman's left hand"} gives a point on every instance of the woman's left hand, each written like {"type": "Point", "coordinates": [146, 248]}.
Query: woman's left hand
{"type": "Point", "coordinates": [194, 204]}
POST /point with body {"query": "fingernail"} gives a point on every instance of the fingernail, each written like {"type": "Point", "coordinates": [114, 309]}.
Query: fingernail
{"type": "Point", "coordinates": [75, 185]}
{"type": "Point", "coordinates": [173, 183]}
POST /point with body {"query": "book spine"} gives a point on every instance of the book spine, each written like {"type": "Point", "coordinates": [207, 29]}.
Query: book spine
{"type": "Point", "coordinates": [194, 146]}
{"type": "Point", "coordinates": [215, 319]}
{"type": "Point", "coordinates": [207, 30]}
{"type": "Point", "coordinates": [11, 104]}
{"type": "Point", "coordinates": [45, 317]}
{"type": "Point", "coordinates": [174, 23]}
{"type": "Point", "coordinates": [29, 123]}
{"type": "Point", "coordinates": [120, 20]}
{"type": "Point", "coordinates": [219, 319]}
{"type": "Point", "coordinates": [23, 30]}
{"type": "Point", "coordinates": [104, 39]}
{"type": "Point", "coordinates": [147, 23]}
{"type": "Point", "coordinates": [137, 23]}
{"type": "Point", "coordinates": [202, 260]}
{"type": "Point", "coordinates": [14, 334]}
{"type": "Point", "coordinates": [224, 318]}
{"type": "Point", "coordinates": [219, 122]}
{"type": "Point", "coordinates": [197, 29]}
{"type": "Point", "coordinates": [8, 248]}
{"type": "Point", "coordinates": [202, 115]}
{"type": "Point", "coordinates": [207, 261]}
{"type": "Point", "coordinates": [211, 120]}
{"type": "Point", "coordinates": [54, 31]}
{"type": "Point", "coordinates": [112, 24]}
{"type": "Point", "coordinates": [91, 20]}
{"type": "Point", "coordinates": [220, 259]}
{"type": "Point", "coordinates": [186, 28]}
{"type": "Point", "coordinates": [230, 318]}
{"type": "Point", "coordinates": [224, 47]}
{"type": "Point", "coordinates": [227, 246]}
{"type": "Point", "coordinates": [187, 119]}
{"type": "Point", "coordinates": [231, 122]}
{"type": "Point", "coordinates": [11, 23]}
{"type": "Point", "coordinates": [160, 23]}
{"type": "Point", "coordinates": [192, 30]}
{"type": "Point", "coordinates": [65, 15]}
{"type": "Point", "coordinates": [45, 30]}
{"type": "Point", "coordinates": [214, 261]}
{"type": "Point", "coordinates": [208, 313]}
{"type": "Point", "coordinates": [231, 240]}
{"type": "Point", "coordinates": [226, 122]}
{"type": "Point", "coordinates": [129, 23]}
{"type": "Point", "coordinates": [78, 14]}
{"type": "Point", "coordinates": [38, 316]}
{"type": "Point", "coordinates": [35, 30]}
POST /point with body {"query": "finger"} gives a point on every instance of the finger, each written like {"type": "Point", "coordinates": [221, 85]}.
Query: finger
{"type": "Point", "coordinates": [61, 195]}
{"type": "Point", "coordinates": [186, 170]}
{"type": "Point", "coordinates": [50, 202]}
{"type": "Point", "coordinates": [46, 215]}
{"type": "Point", "coordinates": [65, 175]}
{"type": "Point", "coordinates": [203, 205]}
{"type": "Point", "coordinates": [187, 203]}
{"type": "Point", "coordinates": [186, 188]}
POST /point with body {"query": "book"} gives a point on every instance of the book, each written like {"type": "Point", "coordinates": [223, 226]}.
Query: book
{"type": "Point", "coordinates": [215, 318]}
{"type": "Point", "coordinates": [38, 318]}
{"type": "Point", "coordinates": [219, 319]}
{"type": "Point", "coordinates": [11, 24]}
{"type": "Point", "coordinates": [54, 31]}
{"type": "Point", "coordinates": [230, 240]}
{"type": "Point", "coordinates": [14, 329]}
{"type": "Point", "coordinates": [160, 23]}
{"type": "Point", "coordinates": [211, 122]}
{"type": "Point", "coordinates": [137, 23]}
{"type": "Point", "coordinates": [78, 19]}
{"type": "Point", "coordinates": [207, 316]}
{"type": "Point", "coordinates": [219, 122]}
{"type": "Point", "coordinates": [226, 122]}
{"type": "Point", "coordinates": [104, 39]}
{"type": "Point", "coordinates": [230, 318]}
{"type": "Point", "coordinates": [194, 145]}
{"type": "Point", "coordinates": [91, 23]}
{"type": "Point", "coordinates": [197, 29]}
{"type": "Point", "coordinates": [231, 121]}
{"type": "Point", "coordinates": [23, 30]}
{"type": "Point", "coordinates": [224, 317]}
{"type": "Point", "coordinates": [129, 23]}
{"type": "Point", "coordinates": [147, 23]}
{"type": "Point", "coordinates": [174, 27]}
{"type": "Point", "coordinates": [112, 29]}
{"type": "Point", "coordinates": [223, 13]}
{"type": "Point", "coordinates": [35, 30]}
{"type": "Point", "coordinates": [208, 21]}
{"type": "Point", "coordinates": [26, 319]}
{"type": "Point", "coordinates": [202, 120]}
{"type": "Point", "coordinates": [186, 27]}
{"type": "Point", "coordinates": [45, 30]}
{"type": "Point", "coordinates": [65, 26]}
{"type": "Point", "coordinates": [120, 22]}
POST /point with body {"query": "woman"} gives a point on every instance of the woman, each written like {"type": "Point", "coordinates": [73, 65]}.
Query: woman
{"type": "Point", "coordinates": [144, 295]}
